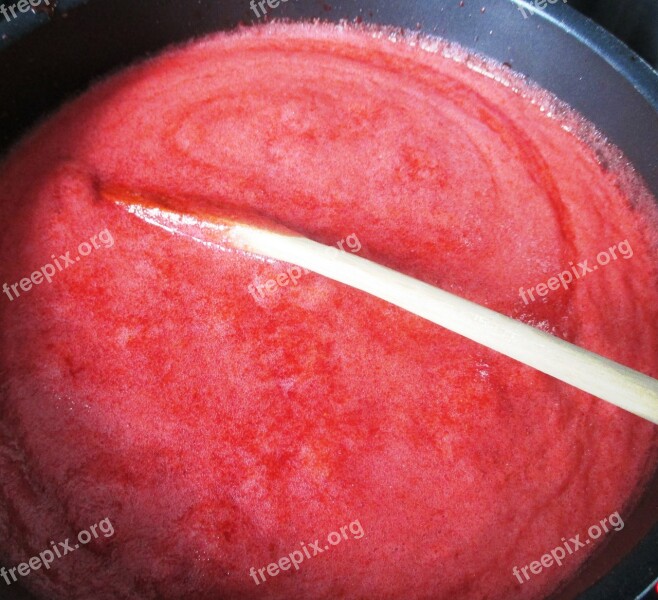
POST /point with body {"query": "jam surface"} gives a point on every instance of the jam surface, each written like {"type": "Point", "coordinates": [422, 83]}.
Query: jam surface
{"type": "Point", "coordinates": [218, 426]}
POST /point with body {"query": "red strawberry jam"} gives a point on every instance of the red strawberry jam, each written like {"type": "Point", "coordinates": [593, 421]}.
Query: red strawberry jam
{"type": "Point", "coordinates": [218, 428]}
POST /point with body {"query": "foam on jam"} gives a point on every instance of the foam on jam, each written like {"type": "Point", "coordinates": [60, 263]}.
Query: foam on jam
{"type": "Point", "coordinates": [145, 384]}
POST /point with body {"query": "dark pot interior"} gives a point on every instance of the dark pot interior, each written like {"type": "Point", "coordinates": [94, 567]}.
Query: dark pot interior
{"type": "Point", "coordinates": [44, 61]}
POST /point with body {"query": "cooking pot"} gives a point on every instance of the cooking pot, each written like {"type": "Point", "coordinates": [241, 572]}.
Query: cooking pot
{"type": "Point", "coordinates": [51, 55]}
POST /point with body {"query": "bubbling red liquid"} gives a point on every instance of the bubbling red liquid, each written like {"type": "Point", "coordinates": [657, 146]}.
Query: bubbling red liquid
{"type": "Point", "coordinates": [216, 428]}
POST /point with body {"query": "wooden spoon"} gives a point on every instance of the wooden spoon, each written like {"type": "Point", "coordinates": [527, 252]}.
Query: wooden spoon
{"type": "Point", "coordinates": [233, 228]}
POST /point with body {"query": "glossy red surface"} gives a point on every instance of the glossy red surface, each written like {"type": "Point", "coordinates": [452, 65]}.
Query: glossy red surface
{"type": "Point", "coordinates": [145, 383]}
